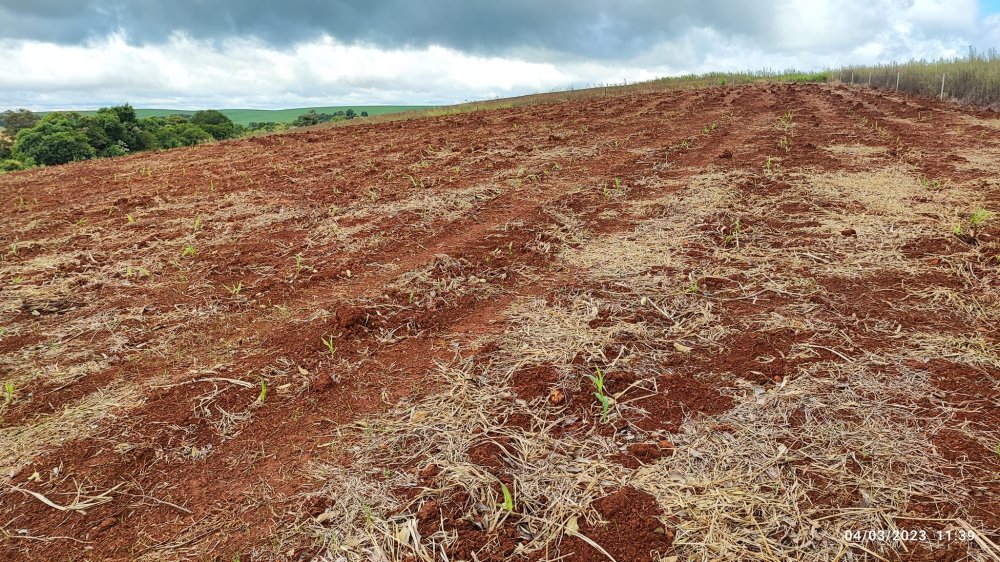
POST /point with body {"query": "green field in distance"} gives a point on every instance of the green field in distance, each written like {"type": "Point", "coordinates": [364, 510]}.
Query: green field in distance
{"type": "Point", "coordinates": [246, 116]}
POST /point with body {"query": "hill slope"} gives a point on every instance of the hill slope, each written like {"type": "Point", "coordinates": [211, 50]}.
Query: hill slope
{"type": "Point", "coordinates": [730, 323]}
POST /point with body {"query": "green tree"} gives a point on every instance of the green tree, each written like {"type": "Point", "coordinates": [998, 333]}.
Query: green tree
{"type": "Point", "coordinates": [123, 128]}
{"type": "Point", "coordinates": [15, 120]}
{"type": "Point", "coordinates": [6, 146]}
{"type": "Point", "coordinates": [56, 139]}
{"type": "Point", "coordinates": [215, 123]}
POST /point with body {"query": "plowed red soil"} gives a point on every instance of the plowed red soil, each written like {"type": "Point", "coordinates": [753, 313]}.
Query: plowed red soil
{"type": "Point", "coordinates": [155, 292]}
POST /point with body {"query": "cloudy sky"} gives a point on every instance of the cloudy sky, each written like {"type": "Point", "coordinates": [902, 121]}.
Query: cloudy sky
{"type": "Point", "coordinates": [60, 54]}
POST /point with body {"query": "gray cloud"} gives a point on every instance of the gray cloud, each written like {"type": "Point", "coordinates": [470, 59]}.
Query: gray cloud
{"type": "Point", "coordinates": [583, 28]}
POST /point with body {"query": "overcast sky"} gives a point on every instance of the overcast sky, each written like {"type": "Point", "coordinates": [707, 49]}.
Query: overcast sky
{"type": "Point", "coordinates": [61, 54]}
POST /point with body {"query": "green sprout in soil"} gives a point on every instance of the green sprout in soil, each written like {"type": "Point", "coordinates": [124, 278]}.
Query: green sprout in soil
{"type": "Point", "coordinates": [769, 165]}
{"type": "Point", "coordinates": [8, 392]}
{"type": "Point", "coordinates": [979, 217]}
{"type": "Point", "coordinates": [786, 120]}
{"type": "Point", "coordinates": [234, 290]}
{"type": "Point", "coordinates": [784, 144]}
{"type": "Point", "coordinates": [328, 341]}
{"type": "Point", "coordinates": [129, 218]}
{"type": "Point", "coordinates": [602, 398]}
{"type": "Point", "coordinates": [974, 225]}
{"type": "Point", "coordinates": [188, 251]}
{"type": "Point", "coordinates": [299, 263]}
{"type": "Point", "coordinates": [928, 183]}
{"type": "Point", "coordinates": [733, 238]}
{"type": "Point", "coordinates": [508, 499]}
{"type": "Point", "coordinates": [693, 287]}
{"type": "Point", "coordinates": [263, 391]}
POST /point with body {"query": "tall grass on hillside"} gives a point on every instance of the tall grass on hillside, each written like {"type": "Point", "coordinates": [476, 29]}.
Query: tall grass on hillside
{"type": "Point", "coordinates": [973, 79]}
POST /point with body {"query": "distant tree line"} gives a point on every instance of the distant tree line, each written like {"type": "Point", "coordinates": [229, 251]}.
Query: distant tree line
{"type": "Point", "coordinates": [308, 118]}
{"type": "Point", "coordinates": [29, 140]}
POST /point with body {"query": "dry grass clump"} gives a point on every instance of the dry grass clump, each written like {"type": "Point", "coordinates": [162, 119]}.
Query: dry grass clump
{"type": "Point", "coordinates": [862, 151]}
{"type": "Point", "coordinates": [657, 242]}
{"type": "Point", "coordinates": [786, 472]}
{"type": "Point", "coordinates": [446, 278]}
{"type": "Point", "coordinates": [20, 444]}
{"type": "Point", "coordinates": [551, 479]}
{"type": "Point", "coordinates": [973, 350]}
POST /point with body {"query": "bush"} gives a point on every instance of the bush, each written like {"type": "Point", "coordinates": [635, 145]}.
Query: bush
{"type": "Point", "coordinates": [216, 124]}
{"type": "Point", "coordinates": [57, 139]}
{"type": "Point", "coordinates": [9, 165]}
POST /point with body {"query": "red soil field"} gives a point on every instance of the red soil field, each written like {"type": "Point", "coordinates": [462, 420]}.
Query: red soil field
{"type": "Point", "coordinates": [356, 343]}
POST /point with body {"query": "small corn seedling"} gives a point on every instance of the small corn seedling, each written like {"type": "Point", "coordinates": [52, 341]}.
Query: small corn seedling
{"type": "Point", "coordinates": [770, 165]}
{"type": "Point", "coordinates": [971, 229]}
{"type": "Point", "coordinates": [603, 399]}
{"type": "Point", "coordinates": [234, 290]}
{"type": "Point", "coordinates": [733, 237]}
{"type": "Point", "coordinates": [928, 183]}
{"type": "Point", "coordinates": [787, 120]}
{"type": "Point", "coordinates": [328, 342]}
{"type": "Point", "coordinates": [784, 144]}
{"type": "Point", "coordinates": [693, 287]}
{"type": "Point", "coordinates": [508, 498]}
{"type": "Point", "coordinates": [197, 224]}
{"type": "Point", "coordinates": [13, 249]}
{"type": "Point", "coordinates": [979, 217]}
{"type": "Point", "coordinates": [263, 391]}
{"type": "Point", "coordinates": [8, 393]}
{"type": "Point", "coordinates": [129, 218]}
{"type": "Point", "coordinates": [188, 251]}
{"type": "Point", "coordinates": [17, 280]}
{"type": "Point", "coordinates": [3, 332]}
{"type": "Point", "coordinates": [299, 263]}
{"type": "Point", "coordinates": [414, 181]}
